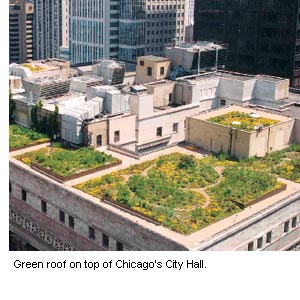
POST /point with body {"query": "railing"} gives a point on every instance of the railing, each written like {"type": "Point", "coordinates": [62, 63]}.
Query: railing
{"type": "Point", "coordinates": [122, 150]}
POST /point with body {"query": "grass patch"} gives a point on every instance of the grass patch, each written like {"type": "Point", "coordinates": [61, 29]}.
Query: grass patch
{"type": "Point", "coordinates": [243, 185]}
{"type": "Point", "coordinates": [21, 136]}
{"type": "Point", "coordinates": [67, 162]}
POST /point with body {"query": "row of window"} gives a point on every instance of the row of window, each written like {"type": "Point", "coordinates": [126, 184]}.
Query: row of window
{"type": "Point", "coordinates": [158, 24]}
{"type": "Point", "coordinates": [71, 223]}
{"type": "Point", "coordinates": [286, 229]}
{"type": "Point", "coordinates": [159, 32]}
{"type": "Point", "coordinates": [160, 7]}
{"type": "Point", "coordinates": [259, 241]}
{"type": "Point", "coordinates": [287, 224]}
{"type": "Point", "coordinates": [161, 39]}
{"type": "Point", "coordinates": [149, 69]}
{"type": "Point", "coordinates": [164, 15]}
{"type": "Point", "coordinates": [105, 239]}
{"type": "Point", "coordinates": [159, 130]}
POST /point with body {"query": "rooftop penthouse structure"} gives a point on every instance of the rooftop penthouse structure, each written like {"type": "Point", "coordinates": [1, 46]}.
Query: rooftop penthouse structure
{"type": "Point", "coordinates": [241, 131]}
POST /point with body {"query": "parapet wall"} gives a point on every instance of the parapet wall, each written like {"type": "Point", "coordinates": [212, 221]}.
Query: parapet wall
{"type": "Point", "coordinates": [86, 210]}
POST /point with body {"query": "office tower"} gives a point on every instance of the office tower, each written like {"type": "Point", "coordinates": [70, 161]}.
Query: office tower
{"type": "Point", "coordinates": [124, 29]}
{"type": "Point", "coordinates": [20, 31]}
{"type": "Point", "coordinates": [263, 36]}
{"type": "Point", "coordinates": [189, 20]}
{"type": "Point", "coordinates": [47, 28]}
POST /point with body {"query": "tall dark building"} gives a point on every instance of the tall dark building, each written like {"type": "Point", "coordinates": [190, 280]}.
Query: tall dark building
{"type": "Point", "coordinates": [21, 14]}
{"type": "Point", "coordinates": [263, 36]}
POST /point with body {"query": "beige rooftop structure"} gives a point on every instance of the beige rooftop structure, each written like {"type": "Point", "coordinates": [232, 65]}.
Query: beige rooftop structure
{"type": "Point", "coordinates": [152, 68]}
{"type": "Point", "coordinates": [235, 141]}
{"type": "Point", "coordinates": [49, 68]}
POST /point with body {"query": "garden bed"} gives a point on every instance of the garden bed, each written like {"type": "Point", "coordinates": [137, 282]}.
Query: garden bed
{"type": "Point", "coordinates": [277, 190]}
{"type": "Point", "coordinates": [67, 164]}
{"type": "Point", "coordinates": [173, 190]}
{"type": "Point", "coordinates": [21, 137]}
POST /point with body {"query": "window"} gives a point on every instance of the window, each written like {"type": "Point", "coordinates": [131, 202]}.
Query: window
{"type": "Point", "coordinates": [294, 222]}
{"type": "Point", "coordinates": [117, 136]}
{"type": "Point", "coordinates": [286, 226]}
{"type": "Point", "coordinates": [149, 71]}
{"type": "Point", "coordinates": [120, 246]}
{"type": "Point", "coordinates": [222, 102]}
{"type": "Point", "coordinates": [43, 206]}
{"type": "Point", "coordinates": [92, 235]}
{"type": "Point", "coordinates": [71, 222]}
{"type": "Point", "coordinates": [159, 131]}
{"type": "Point", "coordinates": [10, 187]}
{"type": "Point", "coordinates": [24, 195]}
{"type": "Point", "coordinates": [175, 127]}
{"type": "Point", "coordinates": [269, 237]}
{"type": "Point", "coordinates": [260, 242]}
{"type": "Point", "coordinates": [250, 246]}
{"type": "Point", "coordinates": [99, 140]}
{"type": "Point", "coordinates": [142, 63]}
{"type": "Point", "coordinates": [61, 216]}
{"type": "Point", "coordinates": [105, 240]}
{"type": "Point", "coordinates": [162, 70]}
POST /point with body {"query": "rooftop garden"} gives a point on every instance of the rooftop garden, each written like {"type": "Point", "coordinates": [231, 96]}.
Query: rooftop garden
{"type": "Point", "coordinates": [22, 137]}
{"type": "Point", "coordinates": [182, 192]}
{"type": "Point", "coordinates": [67, 161]}
{"type": "Point", "coordinates": [239, 120]}
{"type": "Point", "coordinates": [33, 68]}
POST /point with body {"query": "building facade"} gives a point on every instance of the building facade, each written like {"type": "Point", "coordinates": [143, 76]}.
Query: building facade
{"type": "Point", "coordinates": [263, 36]}
{"type": "Point", "coordinates": [124, 29]}
{"type": "Point", "coordinates": [47, 28]}
{"type": "Point", "coordinates": [21, 15]}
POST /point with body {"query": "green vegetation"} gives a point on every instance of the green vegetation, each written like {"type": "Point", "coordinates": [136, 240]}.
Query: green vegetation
{"type": "Point", "coordinates": [182, 192]}
{"type": "Point", "coordinates": [21, 136]}
{"type": "Point", "coordinates": [48, 124]}
{"type": "Point", "coordinates": [242, 121]}
{"type": "Point", "coordinates": [67, 161]}
{"type": "Point", "coordinates": [12, 106]}
{"type": "Point", "coordinates": [242, 185]}
{"type": "Point", "coordinates": [284, 163]}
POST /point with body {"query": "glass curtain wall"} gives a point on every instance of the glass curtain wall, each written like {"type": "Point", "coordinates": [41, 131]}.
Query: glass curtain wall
{"type": "Point", "coordinates": [132, 29]}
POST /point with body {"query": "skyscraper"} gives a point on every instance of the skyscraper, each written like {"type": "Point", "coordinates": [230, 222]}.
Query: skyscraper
{"type": "Point", "coordinates": [20, 31]}
{"type": "Point", "coordinates": [47, 28]}
{"type": "Point", "coordinates": [124, 29]}
{"type": "Point", "coordinates": [189, 20]}
{"type": "Point", "coordinates": [263, 36]}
